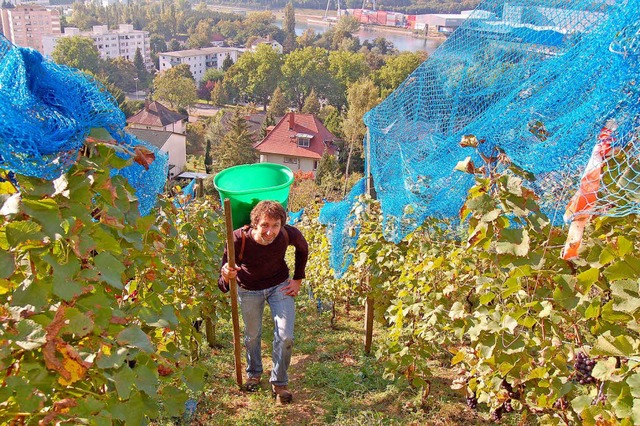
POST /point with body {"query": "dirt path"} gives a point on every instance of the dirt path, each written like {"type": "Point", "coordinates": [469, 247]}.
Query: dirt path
{"type": "Point", "coordinates": [333, 382]}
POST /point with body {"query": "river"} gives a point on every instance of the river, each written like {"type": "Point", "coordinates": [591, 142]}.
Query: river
{"type": "Point", "coordinates": [402, 41]}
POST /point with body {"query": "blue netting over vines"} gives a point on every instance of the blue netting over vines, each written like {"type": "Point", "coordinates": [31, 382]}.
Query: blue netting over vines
{"type": "Point", "coordinates": [541, 81]}
{"type": "Point", "coordinates": [342, 227]}
{"type": "Point", "coordinates": [46, 113]}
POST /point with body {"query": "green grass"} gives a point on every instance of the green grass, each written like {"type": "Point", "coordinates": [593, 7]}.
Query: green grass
{"type": "Point", "coordinates": [333, 381]}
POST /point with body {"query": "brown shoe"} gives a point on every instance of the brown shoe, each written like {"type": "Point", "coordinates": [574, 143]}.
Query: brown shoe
{"type": "Point", "coordinates": [252, 384]}
{"type": "Point", "coordinates": [282, 394]}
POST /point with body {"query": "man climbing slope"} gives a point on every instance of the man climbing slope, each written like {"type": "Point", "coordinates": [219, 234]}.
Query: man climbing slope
{"type": "Point", "coordinates": [263, 276]}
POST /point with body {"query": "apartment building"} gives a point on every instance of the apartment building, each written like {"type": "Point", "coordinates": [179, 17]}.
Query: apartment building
{"type": "Point", "coordinates": [27, 25]}
{"type": "Point", "coordinates": [199, 60]}
{"type": "Point", "coordinates": [121, 42]}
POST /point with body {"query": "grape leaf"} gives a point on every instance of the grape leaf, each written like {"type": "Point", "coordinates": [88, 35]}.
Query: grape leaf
{"type": "Point", "coordinates": [134, 336]}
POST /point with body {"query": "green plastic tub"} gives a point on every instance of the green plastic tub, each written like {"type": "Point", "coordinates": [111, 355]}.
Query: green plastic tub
{"type": "Point", "coordinates": [248, 184]}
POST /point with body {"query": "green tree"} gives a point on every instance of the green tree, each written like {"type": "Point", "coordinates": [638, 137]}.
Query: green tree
{"type": "Point", "coordinates": [259, 23]}
{"type": "Point", "coordinates": [331, 118]}
{"type": "Point", "coordinates": [77, 52]}
{"type": "Point", "coordinates": [213, 137]}
{"type": "Point", "coordinates": [121, 72]}
{"type": "Point", "coordinates": [344, 29]}
{"type": "Point", "coordinates": [227, 63]}
{"type": "Point", "coordinates": [328, 173]}
{"type": "Point", "coordinates": [141, 69]}
{"type": "Point", "coordinates": [289, 28]}
{"type": "Point", "coordinates": [289, 22]}
{"type": "Point", "coordinates": [304, 70]}
{"type": "Point", "coordinates": [208, 158]}
{"type": "Point", "coordinates": [158, 43]}
{"type": "Point", "coordinates": [396, 70]}
{"type": "Point", "coordinates": [362, 96]}
{"type": "Point", "coordinates": [347, 68]}
{"type": "Point", "coordinates": [196, 133]}
{"type": "Point", "coordinates": [178, 91]}
{"type": "Point", "coordinates": [174, 45]}
{"type": "Point", "coordinates": [311, 104]}
{"type": "Point", "coordinates": [289, 43]}
{"type": "Point", "coordinates": [201, 36]}
{"type": "Point", "coordinates": [256, 74]}
{"type": "Point", "coordinates": [218, 94]}
{"type": "Point", "coordinates": [213, 74]}
{"type": "Point", "coordinates": [181, 70]}
{"type": "Point", "coordinates": [347, 24]}
{"type": "Point", "coordinates": [269, 120]}
{"type": "Point", "coordinates": [278, 104]}
{"type": "Point", "coordinates": [308, 38]}
{"type": "Point", "coordinates": [82, 17]}
{"type": "Point", "coordinates": [236, 147]}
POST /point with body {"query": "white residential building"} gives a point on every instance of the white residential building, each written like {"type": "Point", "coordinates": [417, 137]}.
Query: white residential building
{"type": "Point", "coordinates": [199, 60]}
{"type": "Point", "coordinates": [122, 42]}
{"type": "Point", "coordinates": [27, 25]}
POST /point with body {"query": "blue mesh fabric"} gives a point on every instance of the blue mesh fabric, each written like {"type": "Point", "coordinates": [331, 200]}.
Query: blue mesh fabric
{"type": "Point", "coordinates": [339, 218]}
{"type": "Point", "coordinates": [150, 182]}
{"type": "Point", "coordinates": [537, 80]}
{"type": "Point", "coordinates": [47, 111]}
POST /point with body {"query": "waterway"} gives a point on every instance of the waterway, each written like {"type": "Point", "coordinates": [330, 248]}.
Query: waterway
{"type": "Point", "coordinates": [404, 42]}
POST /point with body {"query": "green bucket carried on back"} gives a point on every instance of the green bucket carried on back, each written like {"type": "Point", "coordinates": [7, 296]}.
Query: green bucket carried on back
{"type": "Point", "coordinates": [248, 184]}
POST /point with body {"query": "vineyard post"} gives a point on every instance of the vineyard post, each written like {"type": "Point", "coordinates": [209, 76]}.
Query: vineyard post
{"type": "Point", "coordinates": [233, 286]}
{"type": "Point", "coordinates": [368, 317]}
{"type": "Point", "coordinates": [200, 186]}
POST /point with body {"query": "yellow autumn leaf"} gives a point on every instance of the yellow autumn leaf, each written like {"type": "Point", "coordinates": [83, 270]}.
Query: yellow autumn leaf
{"type": "Point", "coordinates": [77, 369]}
{"type": "Point", "coordinates": [7, 187]}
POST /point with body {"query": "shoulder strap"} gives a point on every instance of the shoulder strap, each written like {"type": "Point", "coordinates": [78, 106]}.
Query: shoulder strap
{"type": "Point", "coordinates": [244, 240]}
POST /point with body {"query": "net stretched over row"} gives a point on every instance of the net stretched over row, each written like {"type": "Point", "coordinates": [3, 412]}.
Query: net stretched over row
{"type": "Point", "coordinates": [540, 81]}
{"type": "Point", "coordinates": [48, 110]}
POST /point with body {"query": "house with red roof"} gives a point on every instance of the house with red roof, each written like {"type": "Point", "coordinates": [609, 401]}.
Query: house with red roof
{"type": "Point", "coordinates": [217, 40]}
{"type": "Point", "coordinates": [298, 142]}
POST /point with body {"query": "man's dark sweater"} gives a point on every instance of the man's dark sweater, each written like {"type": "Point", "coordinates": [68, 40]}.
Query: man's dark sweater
{"type": "Point", "coordinates": [264, 266]}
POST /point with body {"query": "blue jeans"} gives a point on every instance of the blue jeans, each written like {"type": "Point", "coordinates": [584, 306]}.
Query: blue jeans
{"type": "Point", "coordinates": [283, 314]}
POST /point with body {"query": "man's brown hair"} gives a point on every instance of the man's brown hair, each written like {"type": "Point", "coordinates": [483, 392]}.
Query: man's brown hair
{"type": "Point", "coordinates": [271, 209]}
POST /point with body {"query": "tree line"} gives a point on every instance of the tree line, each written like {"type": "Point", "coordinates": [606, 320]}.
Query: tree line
{"type": "Point", "coordinates": [403, 6]}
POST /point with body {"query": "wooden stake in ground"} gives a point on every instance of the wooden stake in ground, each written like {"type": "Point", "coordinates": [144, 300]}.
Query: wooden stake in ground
{"type": "Point", "coordinates": [233, 286]}
{"type": "Point", "coordinates": [370, 302]}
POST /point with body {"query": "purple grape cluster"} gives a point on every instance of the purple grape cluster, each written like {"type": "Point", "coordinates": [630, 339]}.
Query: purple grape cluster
{"type": "Point", "coordinates": [506, 407]}
{"type": "Point", "coordinates": [496, 415]}
{"type": "Point", "coordinates": [472, 402]}
{"type": "Point", "coordinates": [560, 404]}
{"type": "Point", "coordinates": [512, 393]}
{"type": "Point", "coordinates": [584, 366]}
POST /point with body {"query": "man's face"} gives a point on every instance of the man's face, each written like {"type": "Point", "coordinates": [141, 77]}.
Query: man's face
{"type": "Point", "coordinates": [267, 229]}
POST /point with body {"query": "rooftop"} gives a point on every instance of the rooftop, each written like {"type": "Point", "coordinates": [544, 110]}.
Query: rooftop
{"type": "Point", "coordinates": [156, 138]}
{"type": "Point", "coordinates": [156, 114]}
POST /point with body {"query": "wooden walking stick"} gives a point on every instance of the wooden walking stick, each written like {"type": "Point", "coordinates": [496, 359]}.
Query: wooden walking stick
{"type": "Point", "coordinates": [233, 287]}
